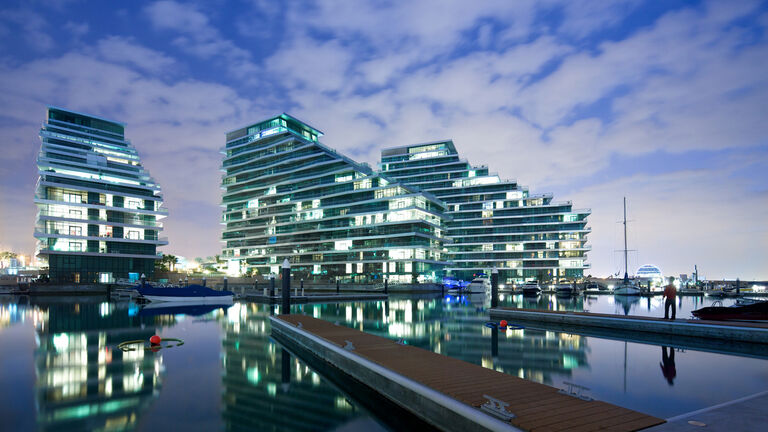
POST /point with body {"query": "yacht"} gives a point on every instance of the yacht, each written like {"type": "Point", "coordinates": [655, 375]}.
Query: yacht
{"type": "Point", "coordinates": [480, 285]}
{"type": "Point", "coordinates": [531, 288]}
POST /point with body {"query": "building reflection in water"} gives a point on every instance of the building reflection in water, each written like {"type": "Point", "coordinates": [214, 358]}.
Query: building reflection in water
{"type": "Point", "coordinates": [265, 388]}
{"type": "Point", "coordinates": [454, 327]}
{"type": "Point", "coordinates": [83, 381]}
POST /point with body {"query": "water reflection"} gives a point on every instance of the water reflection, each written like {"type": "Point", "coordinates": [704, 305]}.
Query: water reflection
{"type": "Point", "coordinates": [668, 364]}
{"type": "Point", "coordinates": [455, 326]}
{"type": "Point", "coordinates": [265, 388]}
{"type": "Point", "coordinates": [83, 381]}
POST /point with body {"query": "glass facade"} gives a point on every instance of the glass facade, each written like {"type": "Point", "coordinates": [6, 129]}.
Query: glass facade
{"type": "Point", "coordinates": [99, 211]}
{"type": "Point", "coordinates": [286, 195]}
{"type": "Point", "coordinates": [494, 222]}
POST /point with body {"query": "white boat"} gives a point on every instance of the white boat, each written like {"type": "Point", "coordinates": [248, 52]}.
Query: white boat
{"type": "Point", "coordinates": [531, 288]}
{"type": "Point", "coordinates": [627, 287]}
{"type": "Point", "coordinates": [479, 285]}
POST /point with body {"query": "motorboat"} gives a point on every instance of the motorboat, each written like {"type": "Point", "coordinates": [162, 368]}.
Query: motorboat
{"type": "Point", "coordinates": [531, 288]}
{"type": "Point", "coordinates": [480, 285]}
{"type": "Point", "coordinates": [191, 293]}
{"type": "Point", "coordinates": [753, 311]}
{"type": "Point", "coordinates": [565, 290]}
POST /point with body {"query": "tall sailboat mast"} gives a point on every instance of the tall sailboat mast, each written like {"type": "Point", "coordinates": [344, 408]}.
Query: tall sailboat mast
{"type": "Point", "coordinates": [626, 273]}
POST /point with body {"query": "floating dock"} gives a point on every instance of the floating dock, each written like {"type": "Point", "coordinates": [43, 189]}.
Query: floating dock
{"type": "Point", "coordinates": [448, 393]}
{"type": "Point", "coordinates": [756, 333]}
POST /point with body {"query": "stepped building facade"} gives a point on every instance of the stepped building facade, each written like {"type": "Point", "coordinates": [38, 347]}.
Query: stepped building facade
{"type": "Point", "coordinates": [99, 210]}
{"type": "Point", "coordinates": [494, 223]}
{"type": "Point", "coordinates": [425, 214]}
{"type": "Point", "coordinates": [286, 195]}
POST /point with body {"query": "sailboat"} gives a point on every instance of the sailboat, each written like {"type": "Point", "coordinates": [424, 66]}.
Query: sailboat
{"type": "Point", "coordinates": [626, 288]}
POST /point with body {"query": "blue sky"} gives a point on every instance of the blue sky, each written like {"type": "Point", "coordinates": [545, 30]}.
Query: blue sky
{"type": "Point", "coordinates": [664, 102]}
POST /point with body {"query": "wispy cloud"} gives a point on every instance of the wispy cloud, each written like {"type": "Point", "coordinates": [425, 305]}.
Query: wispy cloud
{"type": "Point", "coordinates": [550, 93]}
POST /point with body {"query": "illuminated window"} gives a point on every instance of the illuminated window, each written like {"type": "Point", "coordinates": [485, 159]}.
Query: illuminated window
{"type": "Point", "coordinates": [75, 247]}
{"type": "Point", "coordinates": [343, 245]}
{"type": "Point", "coordinates": [487, 247]}
{"type": "Point", "coordinates": [349, 268]}
{"type": "Point", "coordinates": [75, 230]}
{"type": "Point", "coordinates": [73, 198]}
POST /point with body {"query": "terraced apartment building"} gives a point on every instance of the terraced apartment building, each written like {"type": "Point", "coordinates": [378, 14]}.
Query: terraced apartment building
{"type": "Point", "coordinates": [99, 210]}
{"type": "Point", "coordinates": [494, 222]}
{"type": "Point", "coordinates": [286, 195]}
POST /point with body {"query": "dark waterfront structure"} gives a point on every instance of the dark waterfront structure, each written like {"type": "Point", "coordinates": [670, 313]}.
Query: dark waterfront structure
{"type": "Point", "coordinates": [99, 210]}
{"type": "Point", "coordinates": [286, 195]}
{"type": "Point", "coordinates": [494, 222]}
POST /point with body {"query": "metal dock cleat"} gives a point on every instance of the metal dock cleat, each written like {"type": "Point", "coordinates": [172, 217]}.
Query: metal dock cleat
{"type": "Point", "coordinates": [575, 390]}
{"type": "Point", "coordinates": [496, 408]}
{"type": "Point", "coordinates": [349, 346]}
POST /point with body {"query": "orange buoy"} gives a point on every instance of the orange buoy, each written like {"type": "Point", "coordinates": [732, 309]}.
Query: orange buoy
{"type": "Point", "coordinates": [155, 340]}
{"type": "Point", "coordinates": [503, 323]}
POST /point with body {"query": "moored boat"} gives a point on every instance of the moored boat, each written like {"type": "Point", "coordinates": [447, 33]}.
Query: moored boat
{"type": "Point", "coordinates": [480, 285]}
{"type": "Point", "coordinates": [565, 290]}
{"type": "Point", "coordinates": [531, 288]}
{"type": "Point", "coordinates": [191, 293]}
{"type": "Point", "coordinates": [757, 311]}
{"type": "Point", "coordinates": [627, 287]}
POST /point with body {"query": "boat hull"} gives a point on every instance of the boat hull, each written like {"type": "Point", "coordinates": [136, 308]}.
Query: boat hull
{"type": "Point", "coordinates": [206, 300]}
{"type": "Point", "coordinates": [192, 294]}
{"type": "Point", "coordinates": [626, 291]}
{"type": "Point", "coordinates": [750, 312]}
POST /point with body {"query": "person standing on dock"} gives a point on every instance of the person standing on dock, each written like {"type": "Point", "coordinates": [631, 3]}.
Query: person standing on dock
{"type": "Point", "coordinates": [670, 293]}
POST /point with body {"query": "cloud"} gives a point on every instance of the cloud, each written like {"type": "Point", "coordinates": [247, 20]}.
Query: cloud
{"type": "Point", "coordinates": [125, 51]}
{"type": "Point", "coordinates": [33, 28]}
{"type": "Point", "coordinates": [198, 37]}
{"type": "Point", "coordinates": [77, 29]}
{"type": "Point", "coordinates": [549, 93]}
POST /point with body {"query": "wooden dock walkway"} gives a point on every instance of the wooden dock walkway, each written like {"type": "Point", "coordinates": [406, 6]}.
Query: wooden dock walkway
{"type": "Point", "coordinates": [756, 333]}
{"type": "Point", "coordinates": [446, 392]}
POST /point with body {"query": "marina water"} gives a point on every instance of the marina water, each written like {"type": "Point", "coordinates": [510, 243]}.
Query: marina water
{"type": "Point", "coordinates": [60, 367]}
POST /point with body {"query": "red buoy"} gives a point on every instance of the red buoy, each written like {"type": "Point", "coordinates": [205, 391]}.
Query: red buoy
{"type": "Point", "coordinates": [503, 323]}
{"type": "Point", "coordinates": [155, 340]}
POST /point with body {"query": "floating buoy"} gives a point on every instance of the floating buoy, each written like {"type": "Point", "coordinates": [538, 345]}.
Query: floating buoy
{"type": "Point", "coordinates": [503, 323]}
{"type": "Point", "coordinates": [134, 345]}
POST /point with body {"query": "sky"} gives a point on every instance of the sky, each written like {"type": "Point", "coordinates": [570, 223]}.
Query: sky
{"type": "Point", "coordinates": [664, 102]}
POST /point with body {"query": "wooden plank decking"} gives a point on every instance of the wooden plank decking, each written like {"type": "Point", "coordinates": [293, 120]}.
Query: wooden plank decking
{"type": "Point", "coordinates": [537, 407]}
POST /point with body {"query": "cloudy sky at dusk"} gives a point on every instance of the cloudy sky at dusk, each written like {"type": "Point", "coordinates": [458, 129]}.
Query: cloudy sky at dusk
{"type": "Point", "coordinates": [664, 102]}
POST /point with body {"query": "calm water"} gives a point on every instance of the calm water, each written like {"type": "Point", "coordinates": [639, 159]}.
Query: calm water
{"type": "Point", "coordinates": [60, 367]}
